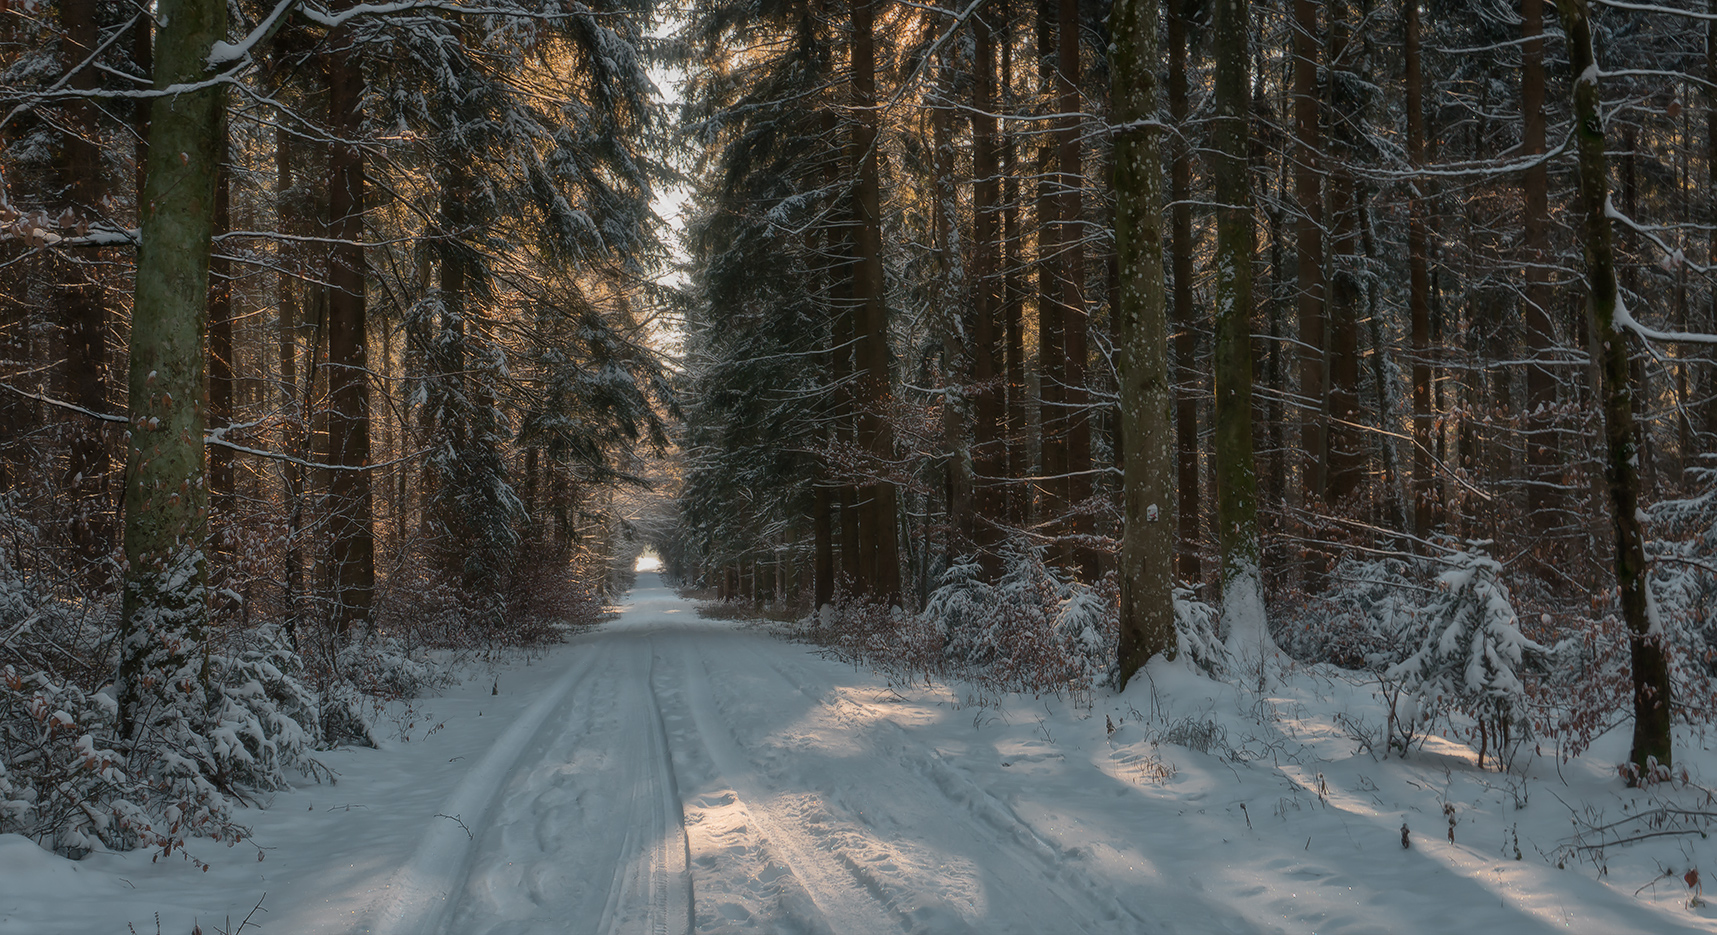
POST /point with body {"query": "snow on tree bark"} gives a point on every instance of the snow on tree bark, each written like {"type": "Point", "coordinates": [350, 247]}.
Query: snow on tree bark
{"type": "Point", "coordinates": [166, 500]}
{"type": "Point", "coordinates": [1651, 689]}
{"type": "Point", "coordinates": [1242, 591]}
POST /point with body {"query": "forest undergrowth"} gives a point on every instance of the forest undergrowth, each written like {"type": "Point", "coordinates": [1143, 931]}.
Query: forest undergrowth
{"type": "Point", "coordinates": [1447, 658]}
{"type": "Point", "coordinates": [263, 694]}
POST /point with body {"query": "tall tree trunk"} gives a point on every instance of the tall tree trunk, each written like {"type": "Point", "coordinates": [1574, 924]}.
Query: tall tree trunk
{"type": "Point", "coordinates": [292, 434]}
{"type": "Point", "coordinates": [989, 461]}
{"type": "Point", "coordinates": [1186, 317]}
{"type": "Point", "coordinates": [1013, 295]}
{"type": "Point", "coordinates": [1147, 398]}
{"type": "Point", "coordinates": [1543, 454]}
{"type": "Point", "coordinates": [1051, 353]}
{"type": "Point", "coordinates": [1710, 381]}
{"type": "Point", "coordinates": [1236, 478]}
{"type": "Point", "coordinates": [82, 303]}
{"type": "Point", "coordinates": [221, 347]}
{"type": "Point", "coordinates": [1070, 181]}
{"type": "Point", "coordinates": [1422, 491]}
{"type": "Point", "coordinates": [165, 602]}
{"type": "Point", "coordinates": [823, 517]}
{"type": "Point", "coordinates": [1651, 740]}
{"type": "Point", "coordinates": [880, 532]}
{"type": "Point", "coordinates": [350, 532]}
{"type": "Point", "coordinates": [143, 56]}
{"type": "Point", "coordinates": [959, 353]}
{"type": "Point", "coordinates": [1346, 458]}
{"type": "Point", "coordinates": [1629, 275]}
{"type": "Point", "coordinates": [1346, 449]}
{"type": "Point", "coordinates": [1308, 239]}
{"type": "Point", "coordinates": [846, 433]}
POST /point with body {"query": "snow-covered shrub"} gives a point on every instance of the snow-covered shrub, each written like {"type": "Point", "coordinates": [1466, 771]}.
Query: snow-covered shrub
{"type": "Point", "coordinates": [381, 666]}
{"type": "Point", "coordinates": [962, 598]}
{"type": "Point", "coordinates": [232, 717]}
{"type": "Point", "coordinates": [1358, 622]}
{"type": "Point", "coordinates": [1033, 629]}
{"type": "Point", "coordinates": [1467, 654]}
{"type": "Point", "coordinates": [1684, 591]}
{"type": "Point", "coordinates": [263, 716]}
{"type": "Point", "coordinates": [1197, 636]}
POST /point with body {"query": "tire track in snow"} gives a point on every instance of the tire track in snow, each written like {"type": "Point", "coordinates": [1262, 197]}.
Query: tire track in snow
{"type": "Point", "coordinates": [418, 897]}
{"type": "Point", "coordinates": [994, 826]}
{"type": "Point", "coordinates": [847, 901]}
{"type": "Point", "coordinates": [651, 893]}
{"type": "Point", "coordinates": [587, 837]}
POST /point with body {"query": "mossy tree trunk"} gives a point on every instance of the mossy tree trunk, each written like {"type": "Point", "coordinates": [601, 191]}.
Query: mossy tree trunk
{"type": "Point", "coordinates": [1651, 739]}
{"type": "Point", "coordinates": [1147, 396]}
{"type": "Point", "coordinates": [166, 497]}
{"type": "Point", "coordinates": [1236, 474]}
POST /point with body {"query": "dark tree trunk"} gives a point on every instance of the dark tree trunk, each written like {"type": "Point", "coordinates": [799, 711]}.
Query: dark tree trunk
{"type": "Point", "coordinates": [221, 347]}
{"type": "Point", "coordinates": [1543, 454]}
{"type": "Point", "coordinates": [1422, 490]}
{"type": "Point", "coordinates": [1651, 708]}
{"type": "Point", "coordinates": [1710, 381]}
{"type": "Point", "coordinates": [825, 546]}
{"type": "Point", "coordinates": [1147, 397]}
{"type": "Point", "coordinates": [989, 459]}
{"type": "Point", "coordinates": [1051, 351]}
{"type": "Point", "coordinates": [1076, 419]}
{"type": "Point", "coordinates": [959, 353]}
{"type": "Point", "coordinates": [880, 556]}
{"type": "Point", "coordinates": [1308, 238]}
{"type": "Point", "coordinates": [81, 299]}
{"type": "Point", "coordinates": [1236, 477]}
{"type": "Point", "coordinates": [1186, 316]}
{"type": "Point", "coordinates": [1346, 449]}
{"type": "Point", "coordinates": [165, 601]}
{"type": "Point", "coordinates": [292, 435]}
{"type": "Point", "coordinates": [350, 534]}
{"type": "Point", "coordinates": [1013, 297]}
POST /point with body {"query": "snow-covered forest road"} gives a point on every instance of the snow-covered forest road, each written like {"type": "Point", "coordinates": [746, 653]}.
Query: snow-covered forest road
{"type": "Point", "coordinates": [664, 774]}
{"type": "Point", "coordinates": [689, 770]}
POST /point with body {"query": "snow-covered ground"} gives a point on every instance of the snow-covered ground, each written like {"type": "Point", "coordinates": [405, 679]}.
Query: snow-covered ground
{"type": "Point", "coordinates": [665, 771]}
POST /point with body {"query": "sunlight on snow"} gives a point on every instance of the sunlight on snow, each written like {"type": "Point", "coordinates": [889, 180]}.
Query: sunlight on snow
{"type": "Point", "coordinates": [648, 562]}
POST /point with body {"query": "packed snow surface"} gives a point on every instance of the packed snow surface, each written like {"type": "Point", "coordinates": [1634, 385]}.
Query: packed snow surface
{"type": "Point", "coordinates": [665, 773]}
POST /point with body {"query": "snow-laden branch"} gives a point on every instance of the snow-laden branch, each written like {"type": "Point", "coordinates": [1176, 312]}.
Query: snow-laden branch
{"type": "Point", "coordinates": [322, 17]}
{"type": "Point", "coordinates": [103, 416]}
{"type": "Point", "coordinates": [139, 94]}
{"type": "Point", "coordinates": [217, 437]}
{"type": "Point", "coordinates": [1468, 170]}
{"type": "Point", "coordinates": [1657, 73]}
{"type": "Point", "coordinates": [214, 439]}
{"type": "Point", "coordinates": [93, 56]}
{"type": "Point", "coordinates": [224, 53]}
{"type": "Point", "coordinates": [1672, 256]}
{"type": "Point", "coordinates": [1655, 8]}
{"type": "Point", "coordinates": [1624, 319]}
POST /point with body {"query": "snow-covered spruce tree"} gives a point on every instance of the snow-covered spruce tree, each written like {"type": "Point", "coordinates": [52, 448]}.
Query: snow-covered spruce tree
{"type": "Point", "coordinates": [762, 353]}
{"type": "Point", "coordinates": [1684, 587]}
{"type": "Point", "coordinates": [1468, 655]}
{"type": "Point", "coordinates": [537, 139]}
